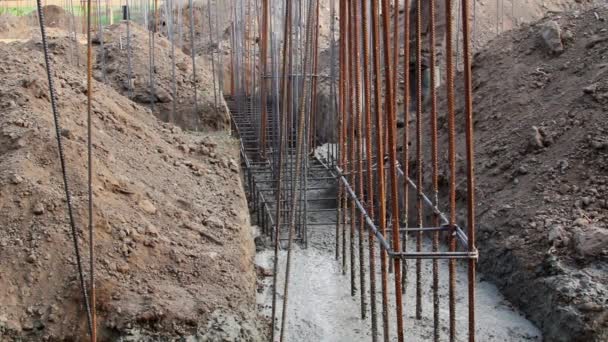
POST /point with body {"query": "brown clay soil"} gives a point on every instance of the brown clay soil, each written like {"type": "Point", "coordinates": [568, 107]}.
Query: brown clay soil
{"type": "Point", "coordinates": [541, 159]}
{"type": "Point", "coordinates": [208, 117]}
{"type": "Point", "coordinates": [173, 243]}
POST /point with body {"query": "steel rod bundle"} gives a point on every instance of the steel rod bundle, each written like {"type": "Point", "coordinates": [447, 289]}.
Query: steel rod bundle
{"type": "Point", "coordinates": [374, 175]}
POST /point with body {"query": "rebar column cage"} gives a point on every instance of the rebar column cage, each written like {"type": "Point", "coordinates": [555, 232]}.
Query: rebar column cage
{"type": "Point", "coordinates": [274, 104]}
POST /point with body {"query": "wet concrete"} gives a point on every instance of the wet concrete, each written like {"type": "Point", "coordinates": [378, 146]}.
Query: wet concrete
{"type": "Point", "coordinates": [321, 307]}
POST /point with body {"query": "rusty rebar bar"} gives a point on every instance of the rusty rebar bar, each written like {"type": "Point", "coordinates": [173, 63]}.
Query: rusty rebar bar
{"type": "Point", "coordinates": [92, 296]}
{"type": "Point", "coordinates": [359, 151]}
{"type": "Point", "coordinates": [452, 166]}
{"type": "Point", "coordinates": [286, 44]}
{"type": "Point", "coordinates": [340, 123]}
{"type": "Point", "coordinates": [263, 60]}
{"type": "Point", "coordinates": [352, 144]}
{"type": "Point", "coordinates": [420, 166]}
{"type": "Point", "coordinates": [300, 152]}
{"type": "Point", "coordinates": [313, 100]}
{"type": "Point", "coordinates": [380, 153]}
{"type": "Point", "coordinates": [370, 178]}
{"type": "Point", "coordinates": [470, 164]}
{"type": "Point", "coordinates": [392, 149]}
{"type": "Point", "coordinates": [435, 167]}
{"type": "Point", "coordinates": [406, 128]}
{"type": "Point", "coordinates": [341, 113]}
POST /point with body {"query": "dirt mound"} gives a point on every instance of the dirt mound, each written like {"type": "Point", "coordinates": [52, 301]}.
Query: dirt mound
{"type": "Point", "coordinates": [540, 101]}
{"type": "Point", "coordinates": [12, 27]}
{"type": "Point", "coordinates": [209, 115]}
{"type": "Point", "coordinates": [173, 251]}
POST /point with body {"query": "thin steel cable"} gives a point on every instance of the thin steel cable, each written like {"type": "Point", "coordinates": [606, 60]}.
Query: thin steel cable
{"type": "Point", "coordinates": [62, 162]}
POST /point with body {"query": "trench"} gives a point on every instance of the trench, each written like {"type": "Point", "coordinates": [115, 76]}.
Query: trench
{"type": "Point", "coordinates": [321, 307]}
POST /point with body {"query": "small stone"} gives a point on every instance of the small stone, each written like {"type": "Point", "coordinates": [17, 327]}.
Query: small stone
{"type": "Point", "coordinates": [38, 208]}
{"type": "Point", "coordinates": [586, 201]}
{"type": "Point", "coordinates": [537, 138]}
{"type": "Point", "coordinates": [557, 236]}
{"type": "Point", "coordinates": [31, 258]}
{"type": "Point", "coordinates": [205, 150]}
{"type": "Point", "coordinates": [147, 206]}
{"type": "Point", "coordinates": [27, 326]}
{"type": "Point", "coordinates": [66, 133]}
{"type": "Point", "coordinates": [233, 166]}
{"type": "Point", "coordinates": [591, 242]}
{"type": "Point", "coordinates": [214, 223]}
{"type": "Point", "coordinates": [590, 307]}
{"type": "Point", "coordinates": [522, 170]}
{"type": "Point", "coordinates": [123, 268]}
{"type": "Point", "coordinates": [550, 34]}
{"type": "Point", "coordinates": [16, 179]}
{"type": "Point", "coordinates": [562, 165]}
{"type": "Point", "coordinates": [10, 104]}
{"type": "Point", "coordinates": [29, 81]}
{"type": "Point", "coordinates": [152, 230]}
{"type": "Point", "coordinates": [590, 89]}
{"type": "Point", "coordinates": [183, 66]}
{"type": "Point", "coordinates": [163, 96]}
{"type": "Point", "coordinates": [184, 148]}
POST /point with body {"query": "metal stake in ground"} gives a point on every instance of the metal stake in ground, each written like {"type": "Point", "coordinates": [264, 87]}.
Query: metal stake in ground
{"type": "Point", "coordinates": [370, 178]}
{"type": "Point", "coordinates": [90, 170]}
{"type": "Point", "coordinates": [299, 156]}
{"type": "Point", "coordinates": [381, 174]}
{"type": "Point", "coordinates": [392, 153]}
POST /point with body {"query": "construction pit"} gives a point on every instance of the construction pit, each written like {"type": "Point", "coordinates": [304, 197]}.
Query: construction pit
{"type": "Point", "coordinates": [259, 171]}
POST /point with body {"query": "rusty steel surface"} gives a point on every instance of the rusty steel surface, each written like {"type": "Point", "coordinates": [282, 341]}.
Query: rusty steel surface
{"type": "Point", "coordinates": [372, 176]}
{"type": "Point", "coordinates": [435, 167]}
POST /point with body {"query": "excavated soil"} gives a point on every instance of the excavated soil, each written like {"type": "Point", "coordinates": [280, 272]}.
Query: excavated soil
{"type": "Point", "coordinates": [208, 117]}
{"type": "Point", "coordinates": [489, 18]}
{"type": "Point", "coordinates": [174, 250]}
{"type": "Point", "coordinates": [541, 157]}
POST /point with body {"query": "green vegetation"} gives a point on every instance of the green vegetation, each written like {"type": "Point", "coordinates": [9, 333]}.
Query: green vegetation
{"type": "Point", "coordinates": [116, 13]}
{"type": "Point", "coordinates": [17, 11]}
